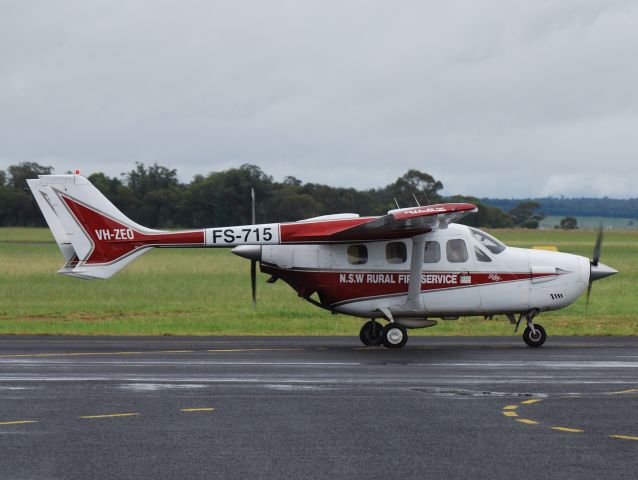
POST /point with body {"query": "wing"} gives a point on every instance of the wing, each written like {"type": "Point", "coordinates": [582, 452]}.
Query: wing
{"type": "Point", "coordinates": [400, 223]}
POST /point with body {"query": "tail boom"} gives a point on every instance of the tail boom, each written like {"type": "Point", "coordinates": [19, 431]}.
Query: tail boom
{"type": "Point", "coordinates": [112, 240]}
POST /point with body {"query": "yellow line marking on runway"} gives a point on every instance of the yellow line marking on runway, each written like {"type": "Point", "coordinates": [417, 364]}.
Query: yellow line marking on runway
{"type": "Point", "coordinates": [147, 352]}
{"type": "Point", "coordinates": [508, 411]}
{"type": "Point", "coordinates": [18, 422]}
{"type": "Point", "coordinates": [81, 354]}
{"type": "Point", "coordinates": [624, 437]}
{"type": "Point", "coordinates": [256, 350]}
{"type": "Point", "coordinates": [565, 429]}
{"type": "Point", "coordinates": [205, 409]}
{"type": "Point", "coordinates": [87, 417]}
{"type": "Point", "coordinates": [527, 421]}
{"type": "Point", "coordinates": [631, 390]}
{"type": "Point", "coordinates": [175, 351]}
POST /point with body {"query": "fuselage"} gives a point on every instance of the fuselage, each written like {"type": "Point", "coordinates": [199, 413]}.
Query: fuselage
{"type": "Point", "coordinates": [465, 272]}
{"type": "Point", "coordinates": [408, 266]}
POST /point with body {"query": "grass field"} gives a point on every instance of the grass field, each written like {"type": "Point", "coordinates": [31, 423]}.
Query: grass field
{"type": "Point", "coordinates": [207, 292]}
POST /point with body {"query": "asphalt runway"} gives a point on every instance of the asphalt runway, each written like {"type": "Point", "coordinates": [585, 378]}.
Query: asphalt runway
{"type": "Point", "coordinates": [317, 407]}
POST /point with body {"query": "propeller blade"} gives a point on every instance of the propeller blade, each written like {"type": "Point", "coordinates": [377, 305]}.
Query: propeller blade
{"type": "Point", "coordinates": [253, 280]}
{"type": "Point", "coordinates": [253, 263]}
{"type": "Point", "coordinates": [599, 241]}
{"type": "Point", "coordinates": [594, 263]}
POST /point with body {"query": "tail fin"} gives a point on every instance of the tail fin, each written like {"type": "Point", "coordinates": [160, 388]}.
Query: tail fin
{"type": "Point", "coordinates": [97, 239]}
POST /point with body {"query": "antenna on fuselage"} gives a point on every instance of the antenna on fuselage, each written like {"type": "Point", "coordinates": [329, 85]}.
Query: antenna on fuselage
{"type": "Point", "coordinates": [395, 201]}
{"type": "Point", "coordinates": [426, 197]}
{"type": "Point", "coordinates": [416, 200]}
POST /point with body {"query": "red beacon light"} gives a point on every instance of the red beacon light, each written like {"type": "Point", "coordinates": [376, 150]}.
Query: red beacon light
{"type": "Point", "coordinates": [77, 172]}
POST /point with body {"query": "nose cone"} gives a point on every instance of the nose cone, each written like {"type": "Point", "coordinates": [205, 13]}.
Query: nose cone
{"type": "Point", "coordinates": [600, 271]}
{"type": "Point", "coordinates": [251, 252]}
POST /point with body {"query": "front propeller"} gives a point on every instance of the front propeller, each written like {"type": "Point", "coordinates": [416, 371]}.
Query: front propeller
{"type": "Point", "coordinates": [597, 270]}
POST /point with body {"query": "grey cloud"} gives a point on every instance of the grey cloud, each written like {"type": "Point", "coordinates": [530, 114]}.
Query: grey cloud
{"type": "Point", "coordinates": [492, 97]}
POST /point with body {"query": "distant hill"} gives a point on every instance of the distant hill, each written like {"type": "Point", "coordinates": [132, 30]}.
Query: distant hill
{"type": "Point", "coordinates": [574, 207]}
{"type": "Point", "coordinates": [609, 223]}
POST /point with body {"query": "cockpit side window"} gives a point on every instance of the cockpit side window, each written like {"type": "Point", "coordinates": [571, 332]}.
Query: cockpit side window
{"type": "Point", "coordinates": [432, 252]}
{"type": "Point", "coordinates": [487, 240]}
{"type": "Point", "coordinates": [456, 251]}
{"type": "Point", "coordinates": [395, 252]}
{"type": "Point", "coordinates": [357, 254]}
{"type": "Point", "coordinates": [481, 256]}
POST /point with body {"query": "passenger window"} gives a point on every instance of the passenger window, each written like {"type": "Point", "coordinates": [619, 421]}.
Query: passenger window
{"type": "Point", "coordinates": [357, 254]}
{"type": "Point", "coordinates": [432, 252]}
{"type": "Point", "coordinates": [395, 252]}
{"type": "Point", "coordinates": [481, 256]}
{"type": "Point", "coordinates": [456, 251]}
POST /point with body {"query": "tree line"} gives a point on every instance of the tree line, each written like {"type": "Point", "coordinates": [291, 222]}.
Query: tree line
{"type": "Point", "coordinates": [576, 207]}
{"type": "Point", "coordinates": [154, 196]}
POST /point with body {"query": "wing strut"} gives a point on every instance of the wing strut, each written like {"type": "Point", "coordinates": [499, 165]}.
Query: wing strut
{"type": "Point", "coordinates": [416, 268]}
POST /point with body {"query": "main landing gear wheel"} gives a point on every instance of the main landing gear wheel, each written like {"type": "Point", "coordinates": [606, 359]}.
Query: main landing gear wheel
{"type": "Point", "coordinates": [371, 334]}
{"type": "Point", "coordinates": [394, 336]}
{"type": "Point", "coordinates": [537, 338]}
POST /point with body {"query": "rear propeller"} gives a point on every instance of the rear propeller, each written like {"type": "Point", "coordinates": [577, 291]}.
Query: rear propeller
{"type": "Point", "coordinates": [251, 252]}
{"type": "Point", "coordinates": [253, 263]}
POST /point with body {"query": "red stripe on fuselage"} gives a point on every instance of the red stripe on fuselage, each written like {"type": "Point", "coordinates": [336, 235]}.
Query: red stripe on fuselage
{"type": "Point", "coordinates": [113, 240]}
{"type": "Point", "coordinates": [337, 287]}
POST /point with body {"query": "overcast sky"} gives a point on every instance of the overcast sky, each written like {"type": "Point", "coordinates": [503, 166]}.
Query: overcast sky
{"type": "Point", "coordinates": [493, 98]}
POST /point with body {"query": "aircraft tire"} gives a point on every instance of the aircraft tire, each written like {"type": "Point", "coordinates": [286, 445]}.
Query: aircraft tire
{"type": "Point", "coordinates": [535, 341]}
{"type": "Point", "coordinates": [371, 334]}
{"type": "Point", "coordinates": [394, 336]}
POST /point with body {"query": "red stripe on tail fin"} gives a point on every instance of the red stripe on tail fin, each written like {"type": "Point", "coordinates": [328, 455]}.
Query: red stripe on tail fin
{"type": "Point", "coordinates": [113, 240]}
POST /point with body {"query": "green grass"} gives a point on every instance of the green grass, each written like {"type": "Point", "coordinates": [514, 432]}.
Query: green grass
{"type": "Point", "coordinates": [20, 234]}
{"type": "Point", "coordinates": [207, 292]}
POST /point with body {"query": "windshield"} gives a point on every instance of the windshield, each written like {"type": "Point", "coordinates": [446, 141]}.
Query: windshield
{"type": "Point", "coordinates": [488, 241]}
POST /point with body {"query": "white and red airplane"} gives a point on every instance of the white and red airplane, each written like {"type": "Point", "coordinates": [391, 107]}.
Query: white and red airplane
{"type": "Point", "coordinates": [408, 267]}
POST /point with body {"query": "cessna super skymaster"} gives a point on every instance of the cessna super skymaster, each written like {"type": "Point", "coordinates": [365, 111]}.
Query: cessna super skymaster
{"type": "Point", "coordinates": [408, 268]}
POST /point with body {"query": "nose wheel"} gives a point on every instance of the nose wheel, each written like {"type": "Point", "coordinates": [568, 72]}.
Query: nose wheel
{"type": "Point", "coordinates": [536, 337]}
{"type": "Point", "coordinates": [534, 334]}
